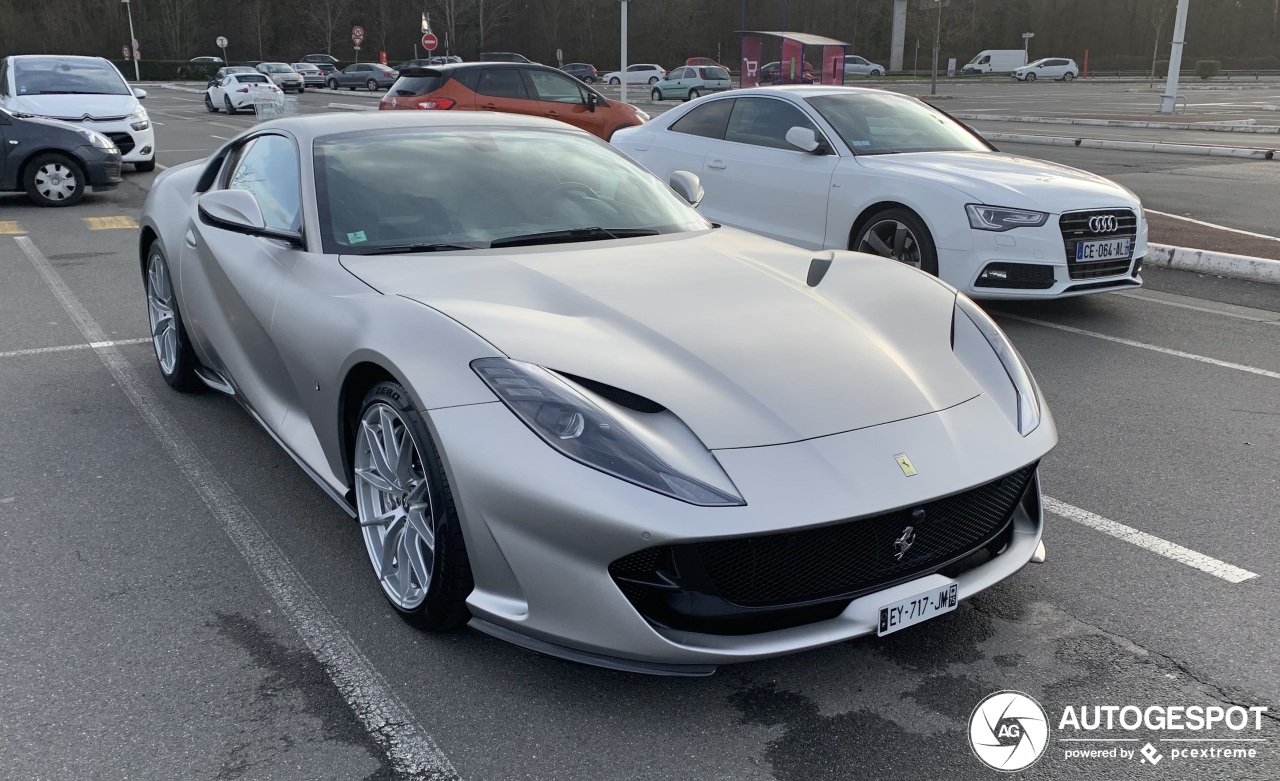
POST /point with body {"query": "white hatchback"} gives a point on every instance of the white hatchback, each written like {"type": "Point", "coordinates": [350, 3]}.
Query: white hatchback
{"type": "Point", "coordinates": [644, 73]}
{"type": "Point", "coordinates": [886, 174]}
{"type": "Point", "coordinates": [1057, 68]}
{"type": "Point", "coordinates": [86, 91]}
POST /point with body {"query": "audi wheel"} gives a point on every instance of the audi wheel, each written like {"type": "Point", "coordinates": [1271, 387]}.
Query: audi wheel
{"type": "Point", "coordinates": [898, 234]}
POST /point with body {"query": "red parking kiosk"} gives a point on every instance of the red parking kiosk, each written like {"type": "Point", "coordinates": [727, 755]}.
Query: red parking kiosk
{"type": "Point", "coordinates": [792, 67]}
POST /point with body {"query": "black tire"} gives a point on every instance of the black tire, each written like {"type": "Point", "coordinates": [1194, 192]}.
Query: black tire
{"type": "Point", "coordinates": [301, 90]}
{"type": "Point", "coordinates": [921, 238]}
{"type": "Point", "coordinates": [1030, 77]}
{"type": "Point", "coordinates": [46, 177]}
{"type": "Point", "coordinates": [208, 103]}
{"type": "Point", "coordinates": [875, 73]}
{"type": "Point", "coordinates": [445, 606]}
{"type": "Point", "coordinates": [182, 376]}
{"type": "Point", "coordinates": [332, 84]}
{"type": "Point", "coordinates": [656, 95]}
{"type": "Point", "coordinates": [227, 101]}
{"type": "Point", "coordinates": [146, 166]}
{"type": "Point", "coordinates": [614, 81]}
{"type": "Point", "coordinates": [694, 94]}
{"type": "Point", "coordinates": [653, 80]}
{"type": "Point", "coordinates": [1068, 76]}
{"type": "Point", "coordinates": [372, 85]}
{"type": "Point", "coordinates": [590, 79]}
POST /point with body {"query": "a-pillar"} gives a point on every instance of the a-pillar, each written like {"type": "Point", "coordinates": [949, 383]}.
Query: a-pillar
{"type": "Point", "coordinates": [897, 41]}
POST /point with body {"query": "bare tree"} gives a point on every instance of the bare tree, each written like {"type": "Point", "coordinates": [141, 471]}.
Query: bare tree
{"type": "Point", "coordinates": [176, 20]}
{"type": "Point", "coordinates": [451, 15]}
{"type": "Point", "coordinates": [1158, 14]}
{"type": "Point", "coordinates": [488, 16]}
{"type": "Point", "coordinates": [325, 18]}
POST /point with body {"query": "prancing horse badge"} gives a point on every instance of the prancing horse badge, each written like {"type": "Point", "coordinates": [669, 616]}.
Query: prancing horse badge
{"type": "Point", "coordinates": [908, 468]}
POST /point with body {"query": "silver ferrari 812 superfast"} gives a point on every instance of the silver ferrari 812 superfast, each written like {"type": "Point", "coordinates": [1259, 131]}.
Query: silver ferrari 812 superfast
{"type": "Point", "coordinates": [565, 408]}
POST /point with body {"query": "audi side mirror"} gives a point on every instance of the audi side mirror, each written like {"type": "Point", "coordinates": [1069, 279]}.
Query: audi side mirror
{"type": "Point", "coordinates": [804, 139]}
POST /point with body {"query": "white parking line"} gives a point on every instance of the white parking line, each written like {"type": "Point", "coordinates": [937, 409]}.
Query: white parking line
{"type": "Point", "coordinates": [1130, 342]}
{"type": "Point", "coordinates": [1215, 226]}
{"type": "Point", "coordinates": [1248, 314]}
{"type": "Point", "coordinates": [65, 347]}
{"type": "Point", "coordinates": [411, 752]}
{"type": "Point", "coordinates": [1219, 569]}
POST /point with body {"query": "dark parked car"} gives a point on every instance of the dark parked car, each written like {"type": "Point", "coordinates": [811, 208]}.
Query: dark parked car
{"type": "Point", "coordinates": [207, 60]}
{"type": "Point", "coordinates": [581, 71]}
{"type": "Point", "coordinates": [502, 57]}
{"type": "Point", "coordinates": [326, 67]}
{"type": "Point", "coordinates": [316, 59]}
{"type": "Point", "coordinates": [369, 75]}
{"type": "Point", "coordinates": [427, 62]}
{"type": "Point", "coordinates": [55, 162]}
{"type": "Point", "coordinates": [227, 71]}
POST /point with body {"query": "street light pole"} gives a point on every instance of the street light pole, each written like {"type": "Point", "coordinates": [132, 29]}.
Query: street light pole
{"type": "Point", "coordinates": [1170, 99]}
{"type": "Point", "coordinates": [623, 78]}
{"type": "Point", "coordinates": [137, 76]}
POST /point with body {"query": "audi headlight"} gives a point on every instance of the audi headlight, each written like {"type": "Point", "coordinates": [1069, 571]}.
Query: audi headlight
{"type": "Point", "coordinates": [138, 120]}
{"type": "Point", "coordinates": [997, 218]}
{"type": "Point", "coordinates": [1027, 399]}
{"type": "Point", "coordinates": [577, 427]}
{"type": "Point", "coordinates": [98, 140]}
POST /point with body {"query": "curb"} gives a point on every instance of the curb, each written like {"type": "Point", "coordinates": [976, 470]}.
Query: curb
{"type": "Point", "coordinates": [1238, 126]}
{"type": "Point", "coordinates": [1217, 263]}
{"type": "Point", "coordinates": [1135, 146]}
{"type": "Point", "coordinates": [350, 107]}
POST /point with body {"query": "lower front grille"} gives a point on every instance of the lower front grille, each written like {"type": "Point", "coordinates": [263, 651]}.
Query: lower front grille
{"type": "Point", "coordinates": [122, 140]}
{"type": "Point", "coordinates": [112, 171]}
{"type": "Point", "coordinates": [1091, 226]}
{"type": "Point", "coordinates": [1016, 276]}
{"type": "Point", "coordinates": [754, 584]}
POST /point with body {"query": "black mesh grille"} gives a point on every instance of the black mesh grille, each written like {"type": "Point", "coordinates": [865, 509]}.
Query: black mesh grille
{"type": "Point", "coordinates": [1075, 228]}
{"type": "Point", "coordinates": [122, 140]}
{"type": "Point", "coordinates": [1018, 276]}
{"type": "Point", "coordinates": [860, 554]}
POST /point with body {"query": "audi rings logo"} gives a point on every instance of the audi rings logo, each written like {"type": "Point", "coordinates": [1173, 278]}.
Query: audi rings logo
{"type": "Point", "coordinates": [1008, 731]}
{"type": "Point", "coordinates": [1102, 223]}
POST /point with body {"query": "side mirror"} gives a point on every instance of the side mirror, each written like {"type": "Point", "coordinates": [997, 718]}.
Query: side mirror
{"type": "Point", "coordinates": [593, 100]}
{"type": "Point", "coordinates": [238, 211]}
{"type": "Point", "coordinates": [804, 139]}
{"type": "Point", "coordinates": [140, 94]}
{"type": "Point", "coordinates": [688, 187]}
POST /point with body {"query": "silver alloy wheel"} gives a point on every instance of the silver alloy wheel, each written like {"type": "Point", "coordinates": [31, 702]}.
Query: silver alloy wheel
{"type": "Point", "coordinates": [164, 328]}
{"type": "Point", "coordinates": [394, 502]}
{"type": "Point", "coordinates": [891, 239]}
{"type": "Point", "coordinates": [56, 181]}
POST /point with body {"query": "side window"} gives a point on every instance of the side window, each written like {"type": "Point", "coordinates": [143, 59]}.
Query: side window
{"type": "Point", "coordinates": [503, 83]}
{"type": "Point", "coordinates": [634, 68]}
{"type": "Point", "coordinates": [708, 119]}
{"type": "Point", "coordinates": [985, 60]}
{"type": "Point", "coordinates": [268, 168]}
{"type": "Point", "coordinates": [765, 122]}
{"type": "Point", "coordinates": [554, 88]}
{"type": "Point", "coordinates": [4, 78]}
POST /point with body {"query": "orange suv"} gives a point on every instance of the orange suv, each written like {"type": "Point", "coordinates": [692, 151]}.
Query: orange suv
{"type": "Point", "coordinates": [512, 88]}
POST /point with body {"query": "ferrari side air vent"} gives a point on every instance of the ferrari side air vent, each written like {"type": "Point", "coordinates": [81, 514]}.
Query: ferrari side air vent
{"type": "Point", "coordinates": [617, 395]}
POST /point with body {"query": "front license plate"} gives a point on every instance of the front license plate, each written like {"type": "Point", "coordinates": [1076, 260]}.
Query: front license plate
{"type": "Point", "coordinates": [1103, 250]}
{"type": "Point", "coordinates": [921, 607]}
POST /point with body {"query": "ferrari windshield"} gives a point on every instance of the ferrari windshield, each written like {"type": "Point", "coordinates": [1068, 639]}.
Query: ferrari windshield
{"type": "Point", "coordinates": [416, 190]}
{"type": "Point", "coordinates": [885, 124]}
{"type": "Point", "coordinates": [66, 76]}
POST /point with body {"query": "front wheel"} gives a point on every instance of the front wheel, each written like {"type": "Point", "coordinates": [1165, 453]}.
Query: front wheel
{"type": "Point", "coordinates": [332, 84]}
{"type": "Point", "coordinates": [406, 512]}
{"type": "Point", "coordinates": [54, 180]}
{"type": "Point", "coordinates": [174, 354]}
{"type": "Point", "coordinates": [1030, 77]}
{"type": "Point", "coordinates": [877, 73]}
{"type": "Point", "coordinates": [208, 103]}
{"type": "Point", "coordinates": [898, 234]}
{"type": "Point", "coordinates": [656, 95]}
{"type": "Point", "coordinates": [614, 82]}
{"type": "Point", "coordinates": [301, 90]}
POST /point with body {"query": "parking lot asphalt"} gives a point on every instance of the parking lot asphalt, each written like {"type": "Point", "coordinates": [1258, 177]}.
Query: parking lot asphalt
{"type": "Point", "coordinates": [141, 643]}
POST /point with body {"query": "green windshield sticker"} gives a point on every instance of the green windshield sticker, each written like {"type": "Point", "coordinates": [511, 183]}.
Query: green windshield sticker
{"type": "Point", "coordinates": [356, 238]}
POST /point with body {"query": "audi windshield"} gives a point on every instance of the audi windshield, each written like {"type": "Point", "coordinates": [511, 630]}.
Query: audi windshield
{"type": "Point", "coordinates": [887, 124]}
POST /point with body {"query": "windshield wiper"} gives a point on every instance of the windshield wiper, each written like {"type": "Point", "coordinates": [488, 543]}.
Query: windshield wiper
{"type": "Point", "coordinates": [399, 249]}
{"type": "Point", "coordinates": [572, 234]}
{"type": "Point", "coordinates": [75, 92]}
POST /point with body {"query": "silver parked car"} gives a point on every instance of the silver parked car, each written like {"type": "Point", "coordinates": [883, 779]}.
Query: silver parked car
{"type": "Point", "coordinates": [283, 76]}
{"type": "Point", "coordinates": [369, 75]}
{"type": "Point", "coordinates": [567, 409]}
{"type": "Point", "coordinates": [861, 66]}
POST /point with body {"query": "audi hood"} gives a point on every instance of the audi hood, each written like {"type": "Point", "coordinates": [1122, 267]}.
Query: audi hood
{"type": "Point", "coordinates": [1008, 180]}
{"type": "Point", "coordinates": [74, 107]}
{"type": "Point", "coordinates": [720, 327]}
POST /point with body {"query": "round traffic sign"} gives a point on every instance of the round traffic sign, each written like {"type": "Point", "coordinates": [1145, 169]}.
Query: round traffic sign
{"type": "Point", "coordinates": [430, 42]}
{"type": "Point", "coordinates": [357, 35]}
{"type": "Point", "coordinates": [222, 42]}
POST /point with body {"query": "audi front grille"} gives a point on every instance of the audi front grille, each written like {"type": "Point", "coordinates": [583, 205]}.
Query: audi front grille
{"type": "Point", "coordinates": [1076, 227]}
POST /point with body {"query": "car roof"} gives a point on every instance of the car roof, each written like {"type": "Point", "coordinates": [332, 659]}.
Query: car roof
{"type": "Point", "coordinates": [801, 91]}
{"type": "Point", "coordinates": [312, 126]}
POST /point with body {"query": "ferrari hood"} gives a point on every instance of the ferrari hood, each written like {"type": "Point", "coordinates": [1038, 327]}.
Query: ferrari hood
{"type": "Point", "coordinates": [1009, 180]}
{"type": "Point", "coordinates": [719, 327]}
{"type": "Point", "coordinates": [75, 107]}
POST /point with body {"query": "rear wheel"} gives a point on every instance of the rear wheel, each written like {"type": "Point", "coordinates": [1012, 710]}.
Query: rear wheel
{"type": "Point", "coordinates": [694, 94]}
{"type": "Point", "coordinates": [653, 80]}
{"type": "Point", "coordinates": [230, 108]}
{"type": "Point", "coordinates": [406, 512]}
{"type": "Point", "coordinates": [898, 234]}
{"type": "Point", "coordinates": [1068, 76]}
{"type": "Point", "coordinates": [54, 180]}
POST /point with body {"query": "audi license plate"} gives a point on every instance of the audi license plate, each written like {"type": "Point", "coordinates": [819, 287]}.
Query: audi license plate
{"type": "Point", "coordinates": [913, 610]}
{"type": "Point", "coordinates": [1110, 249]}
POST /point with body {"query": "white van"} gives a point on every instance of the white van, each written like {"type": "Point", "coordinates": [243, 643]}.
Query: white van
{"type": "Point", "coordinates": [996, 61]}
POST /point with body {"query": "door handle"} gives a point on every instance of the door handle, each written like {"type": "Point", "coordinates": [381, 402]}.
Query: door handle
{"type": "Point", "coordinates": [190, 239]}
{"type": "Point", "coordinates": [488, 105]}
{"type": "Point", "coordinates": [716, 164]}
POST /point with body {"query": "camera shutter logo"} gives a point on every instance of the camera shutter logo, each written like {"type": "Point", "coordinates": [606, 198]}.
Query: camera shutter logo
{"type": "Point", "coordinates": [1008, 731]}
{"type": "Point", "coordinates": [1102, 223]}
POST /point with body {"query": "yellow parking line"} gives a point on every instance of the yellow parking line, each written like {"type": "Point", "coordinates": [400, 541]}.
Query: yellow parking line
{"type": "Point", "coordinates": [11, 228]}
{"type": "Point", "coordinates": [109, 223]}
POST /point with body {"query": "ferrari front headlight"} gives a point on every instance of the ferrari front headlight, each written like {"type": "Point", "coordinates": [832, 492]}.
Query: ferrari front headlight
{"type": "Point", "coordinates": [1028, 400]}
{"type": "Point", "coordinates": [577, 427]}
